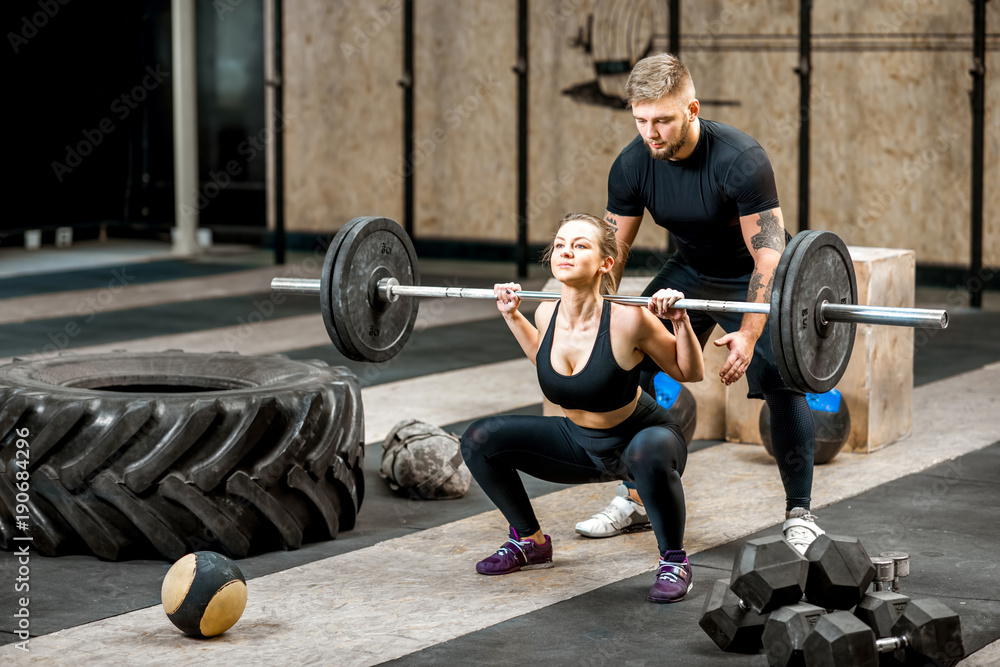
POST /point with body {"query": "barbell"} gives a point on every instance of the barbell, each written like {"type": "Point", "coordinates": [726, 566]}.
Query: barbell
{"type": "Point", "coordinates": [371, 265]}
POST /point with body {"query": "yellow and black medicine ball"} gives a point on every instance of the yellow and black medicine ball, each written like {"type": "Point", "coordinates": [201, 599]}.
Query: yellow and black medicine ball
{"type": "Point", "coordinates": [204, 594]}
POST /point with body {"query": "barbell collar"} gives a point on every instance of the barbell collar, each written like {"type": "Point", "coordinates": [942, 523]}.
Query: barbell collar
{"type": "Point", "coordinates": [306, 286]}
{"type": "Point", "coordinates": [890, 644]}
{"type": "Point", "coordinates": [901, 317]}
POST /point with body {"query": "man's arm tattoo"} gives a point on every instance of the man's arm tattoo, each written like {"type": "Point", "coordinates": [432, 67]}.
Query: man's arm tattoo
{"type": "Point", "coordinates": [770, 234]}
{"type": "Point", "coordinates": [756, 282]}
{"type": "Point", "coordinates": [608, 218]}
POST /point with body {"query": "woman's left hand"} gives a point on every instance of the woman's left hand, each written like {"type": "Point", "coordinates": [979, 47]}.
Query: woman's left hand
{"type": "Point", "coordinates": [507, 299]}
{"type": "Point", "coordinates": [660, 305]}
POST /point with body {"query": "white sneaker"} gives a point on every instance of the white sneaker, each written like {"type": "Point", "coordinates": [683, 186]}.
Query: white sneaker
{"type": "Point", "coordinates": [800, 529]}
{"type": "Point", "coordinates": [623, 515]}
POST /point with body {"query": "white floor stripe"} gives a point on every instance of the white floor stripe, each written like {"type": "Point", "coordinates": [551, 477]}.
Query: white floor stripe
{"type": "Point", "coordinates": [16, 261]}
{"type": "Point", "coordinates": [413, 592]}
{"type": "Point", "coordinates": [988, 656]}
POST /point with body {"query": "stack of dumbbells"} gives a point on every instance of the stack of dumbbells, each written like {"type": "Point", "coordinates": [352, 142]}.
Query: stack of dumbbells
{"type": "Point", "coordinates": [817, 609]}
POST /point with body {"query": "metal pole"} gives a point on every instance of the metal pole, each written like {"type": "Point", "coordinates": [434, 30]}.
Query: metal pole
{"type": "Point", "coordinates": [899, 317]}
{"type": "Point", "coordinates": [408, 117]}
{"type": "Point", "coordinates": [522, 138]}
{"type": "Point", "coordinates": [674, 45]}
{"type": "Point", "coordinates": [390, 290]}
{"type": "Point", "coordinates": [279, 139]}
{"type": "Point", "coordinates": [978, 98]}
{"type": "Point", "coordinates": [185, 89]}
{"type": "Point", "coordinates": [804, 71]}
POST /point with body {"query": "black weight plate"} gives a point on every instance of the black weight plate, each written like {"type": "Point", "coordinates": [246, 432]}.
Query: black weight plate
{"type": "Point", "coordinates": [375, 330]}
{"type": "Point", "coordinates": [326, 285]}
{"type": "Point", "coordinates": [812, 356]}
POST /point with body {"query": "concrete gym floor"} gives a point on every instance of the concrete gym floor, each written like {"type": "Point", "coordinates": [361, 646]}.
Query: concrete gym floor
{"type": "Point", "coordinates": [401, 586]}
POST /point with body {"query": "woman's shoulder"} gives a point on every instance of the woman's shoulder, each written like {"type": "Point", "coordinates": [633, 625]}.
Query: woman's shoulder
{"type": "Point", "coordinates": [543, 313]}
{"type": "Point", "coordinates": [628, 320]}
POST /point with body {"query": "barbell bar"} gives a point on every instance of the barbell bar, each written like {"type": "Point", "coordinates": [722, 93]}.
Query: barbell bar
{"type": "Point", "coordinates": [813, 313]}
{"type": "Point", "coordinates": [389, 290]}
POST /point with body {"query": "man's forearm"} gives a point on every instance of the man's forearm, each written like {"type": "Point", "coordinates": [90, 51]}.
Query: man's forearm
{"type": "Point", "coordinates": [761, 282]}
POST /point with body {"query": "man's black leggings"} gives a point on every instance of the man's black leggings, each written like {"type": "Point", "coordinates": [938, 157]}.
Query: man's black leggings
{"type": "Point", "coordinates": [647, 448]}
{"type": "Point", "coordinates": [792, 429]}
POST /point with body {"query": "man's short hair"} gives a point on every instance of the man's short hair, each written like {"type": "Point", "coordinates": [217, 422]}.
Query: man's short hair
{"type": "Point", "coordinates": [656, 76]}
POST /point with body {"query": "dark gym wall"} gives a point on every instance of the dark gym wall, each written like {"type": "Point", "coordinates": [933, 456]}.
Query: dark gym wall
{"type": "Point", "coordinates": [69, 67]}
{"type": "Point", "coordinates": [92, 110]}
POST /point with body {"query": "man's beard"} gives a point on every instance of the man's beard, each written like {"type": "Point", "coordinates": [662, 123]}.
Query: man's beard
{"type": "Point", "coordinates": [670, 150]}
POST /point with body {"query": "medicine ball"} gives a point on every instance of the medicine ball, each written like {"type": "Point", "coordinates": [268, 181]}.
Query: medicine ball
{"type": "Point", "coordinates": [831, 419]}
{"type": "Point", "coordinates": [204, 594]}
{"type": "Point", "coordinates": [679, 402]}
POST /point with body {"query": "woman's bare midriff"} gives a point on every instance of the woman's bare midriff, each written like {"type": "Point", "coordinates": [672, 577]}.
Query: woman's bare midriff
{"type": "Point", "coordinates": [604, 420]}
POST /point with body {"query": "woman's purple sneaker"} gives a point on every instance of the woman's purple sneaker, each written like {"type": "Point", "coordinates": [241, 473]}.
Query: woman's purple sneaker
{"type": "Point", "coordinates": [517, 554]}
{"type": "Point", "coordinates": [673, 578]}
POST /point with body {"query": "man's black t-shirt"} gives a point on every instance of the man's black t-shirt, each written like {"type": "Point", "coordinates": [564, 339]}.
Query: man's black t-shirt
{"type": "Point", "coordinates": [699, 199]}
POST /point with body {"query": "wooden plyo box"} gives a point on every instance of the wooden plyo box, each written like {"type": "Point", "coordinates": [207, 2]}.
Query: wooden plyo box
{"type": "Point", "coordinates": [878, 384]}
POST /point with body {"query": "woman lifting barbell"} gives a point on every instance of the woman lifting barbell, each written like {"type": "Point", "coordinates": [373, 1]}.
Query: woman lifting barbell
{"type": "Point", "coordinates": [588, 363]}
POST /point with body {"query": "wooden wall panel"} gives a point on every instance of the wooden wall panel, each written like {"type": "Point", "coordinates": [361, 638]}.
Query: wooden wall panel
{"type": "Point", "coordinates": [890, 137]}
{"type": "Point", "coordinates": [465, 161]}
{"type": "Point", "coordinates": [343, 111]}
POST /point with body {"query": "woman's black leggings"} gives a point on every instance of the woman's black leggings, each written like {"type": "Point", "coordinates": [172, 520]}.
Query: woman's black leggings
{"type": "Point", "coordinates": [647, 448]}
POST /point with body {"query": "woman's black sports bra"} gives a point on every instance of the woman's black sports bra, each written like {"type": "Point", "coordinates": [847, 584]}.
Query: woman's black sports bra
{"type": "Point", "coordinates": [602, 385]}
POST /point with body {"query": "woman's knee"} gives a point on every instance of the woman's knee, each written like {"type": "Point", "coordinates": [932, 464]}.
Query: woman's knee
{"type": "Point", "coordinates": [656, 447]}
{"type": "Point", "coordinates": [483, 438]}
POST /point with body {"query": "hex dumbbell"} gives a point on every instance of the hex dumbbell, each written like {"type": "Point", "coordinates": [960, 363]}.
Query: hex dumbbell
{"type": "Point", "coordinates": [769, 573]}
{"type": "Point", "coordinates": [785, 632]}
{"type": "Point", "coordinates": [730, 622]}
{"type": "Point", "coordinates": [927, 631]}
{"type": "Point", "coordinates": [840, 571]}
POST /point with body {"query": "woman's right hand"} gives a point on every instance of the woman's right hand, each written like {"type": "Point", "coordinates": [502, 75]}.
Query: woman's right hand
{"type": "Point", "coordinates": [661, 302]}
{"type": "Point", "coordinates": [507, 300]}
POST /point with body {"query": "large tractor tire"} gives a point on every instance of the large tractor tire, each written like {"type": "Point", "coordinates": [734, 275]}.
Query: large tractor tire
{"type": "Point", "coordinates": [132, 454]}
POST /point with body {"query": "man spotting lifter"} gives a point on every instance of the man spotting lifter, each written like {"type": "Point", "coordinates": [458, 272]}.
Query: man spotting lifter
{"type": "Point", "coordinates": [712, 187]}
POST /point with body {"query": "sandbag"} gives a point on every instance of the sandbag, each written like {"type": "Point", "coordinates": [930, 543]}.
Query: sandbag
{"type": "Point", "coordinates": [420, 460]}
